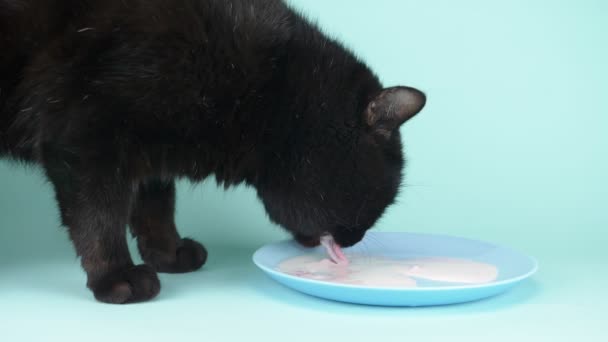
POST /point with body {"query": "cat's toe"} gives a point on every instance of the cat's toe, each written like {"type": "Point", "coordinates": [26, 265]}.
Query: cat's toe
{"type": "Point", "coordinates": [128, 285]}
{"type": "Point", "coordinates": [189, 256]}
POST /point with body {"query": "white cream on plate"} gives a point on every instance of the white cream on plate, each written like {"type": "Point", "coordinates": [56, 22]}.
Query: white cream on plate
{"type": "Point", "coordinates": [383, 272]}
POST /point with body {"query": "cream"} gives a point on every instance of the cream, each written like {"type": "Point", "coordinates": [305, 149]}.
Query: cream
{"type": "Point", "coordinates": [383, 272]}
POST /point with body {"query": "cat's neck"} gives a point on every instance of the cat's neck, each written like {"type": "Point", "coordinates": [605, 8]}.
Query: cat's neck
{"type": "Point", "coordinates": [266, 132]}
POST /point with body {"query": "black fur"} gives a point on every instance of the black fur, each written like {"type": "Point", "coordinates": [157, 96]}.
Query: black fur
{"type": "Point", "coordinates": [116, 99]}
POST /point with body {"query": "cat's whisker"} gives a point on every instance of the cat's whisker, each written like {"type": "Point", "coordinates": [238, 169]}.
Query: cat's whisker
{"type": "Point", "coordinates": [365, 250]}
{"type": "Point", "coordinates": [371, 239]}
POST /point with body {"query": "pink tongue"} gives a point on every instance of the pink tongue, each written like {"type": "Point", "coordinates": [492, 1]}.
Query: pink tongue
{"type": "Point", "coordinates": [334, 250]}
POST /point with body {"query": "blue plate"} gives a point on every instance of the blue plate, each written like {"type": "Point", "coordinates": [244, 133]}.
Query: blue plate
{"type": "Point", "coordinates": [513, 268]}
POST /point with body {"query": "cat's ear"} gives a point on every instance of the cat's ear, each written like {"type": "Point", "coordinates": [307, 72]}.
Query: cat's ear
{"type": "Point", "coordinates": [393, 107]}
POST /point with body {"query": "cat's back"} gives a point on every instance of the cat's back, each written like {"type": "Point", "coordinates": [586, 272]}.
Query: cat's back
{"type": "Point", "coordinates": [57, 49]}
{"type": "Point", "coordinates": [64, 31]}
{"type": "Point", "coordinates": [25, 27]}
{"type": "Point", "coordinates": [29, 27]}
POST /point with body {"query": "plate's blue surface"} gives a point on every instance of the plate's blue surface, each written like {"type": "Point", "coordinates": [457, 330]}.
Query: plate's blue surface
{"type": "Point", "coordinates": [513, 268]}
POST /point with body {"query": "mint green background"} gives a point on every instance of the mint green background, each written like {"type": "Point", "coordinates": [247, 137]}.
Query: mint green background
{"type": "Point", "coordinates": [511, 149]}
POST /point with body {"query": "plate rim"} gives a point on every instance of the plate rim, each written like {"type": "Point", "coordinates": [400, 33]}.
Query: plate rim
{"type": "Point", "coordinates": [533, 270]}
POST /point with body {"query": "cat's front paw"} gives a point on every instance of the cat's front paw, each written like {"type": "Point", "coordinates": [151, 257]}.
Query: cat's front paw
{"type": "Point", "coordinates": [188, 256]}
{"type": "Point", "coordinates": [127, 285]}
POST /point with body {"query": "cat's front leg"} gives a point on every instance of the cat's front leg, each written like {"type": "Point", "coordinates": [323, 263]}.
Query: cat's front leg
{"type": "Point", "coordinates": [152, 222]}
{"type": "Point", "coordinates": [95, 204]}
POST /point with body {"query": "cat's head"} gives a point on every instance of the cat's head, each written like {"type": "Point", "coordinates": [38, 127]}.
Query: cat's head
{"type": "Point", "coordinates": [339, 175]}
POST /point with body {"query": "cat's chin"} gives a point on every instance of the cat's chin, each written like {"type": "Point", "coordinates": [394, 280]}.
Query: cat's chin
{"type": "Point", "coordinates": [349, 238]}
{"type": "Point", "coordinates": [307, 241]}
{"type": "Point", "coordinates": [342, 239]}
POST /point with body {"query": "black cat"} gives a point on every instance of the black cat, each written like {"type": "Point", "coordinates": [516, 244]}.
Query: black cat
{"type": "Point", "coordinates": [116, 99]}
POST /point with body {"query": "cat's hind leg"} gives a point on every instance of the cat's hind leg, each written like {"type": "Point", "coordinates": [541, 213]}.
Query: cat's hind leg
{"type": "Point", "coordinates": [159, 243]}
